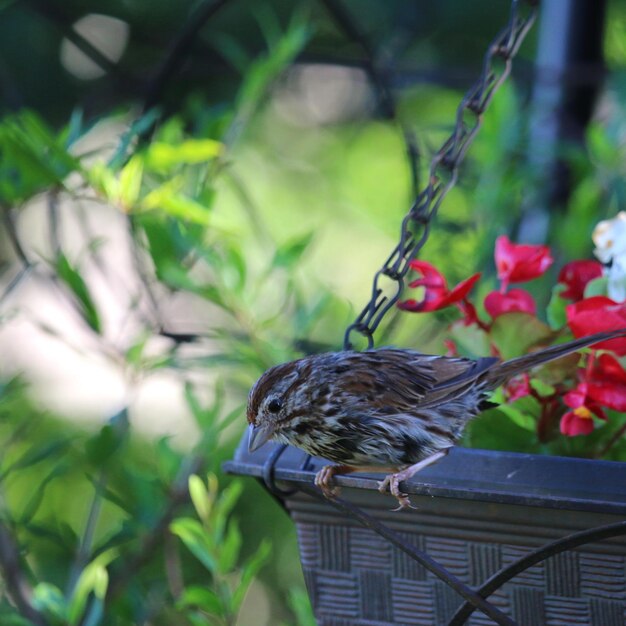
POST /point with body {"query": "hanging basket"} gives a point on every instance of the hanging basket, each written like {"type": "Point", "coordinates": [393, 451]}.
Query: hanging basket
{"type": "Point", "coordinates": [478, 512]}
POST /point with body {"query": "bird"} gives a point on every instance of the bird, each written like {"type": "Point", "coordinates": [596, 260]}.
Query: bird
{"type": "Point", "coordinates": [382, 410]}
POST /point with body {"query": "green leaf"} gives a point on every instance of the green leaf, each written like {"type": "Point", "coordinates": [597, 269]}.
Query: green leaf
{"type": "Point", "coordinates": [290, 253]}
{"type": "Point", "coordinates": [34, 502]}
{"type": "Point", "coordinates": [249, 571]}
{"type": "Point", "coordinates": [130, 182]}
{"type": "Point", "coordinates": [169, 241]}
{"type": "Point", "coordinates": [493, 430]}
{"type": "Point", "coordinates": [95, 613]}
{"type": "Point", "coordinates": [60, 533]}
{"type": "Point", "coordinates": [471, 340]}
{"type": "Point", "coordinates": [35, 455]}
{"type": "Point", "coordinates": [107, 442]}
{"type": "Point", "coordinates": [138, 127]}
{"type": "Point", "coordinates": [163, 156]}
{"type": "Point", "coordinates": [193, 535]}
{"type": "Point", "coordinates": [542, 388]}
{"type": "Point", "coordinates": [169, 460]}
{"type": "Point", "coordinates": [225, 505]}
{"type": "Point", "coordinates": [205, 418]}
{"type": "Point", "coordinates": [264, 71]}
{"type": "Point", "coordinates": [203, 598]}
{"type": "Point", "coordinates": [523, 412]}
{"type": "Point", "coordinates": [94, 579]}
{"type": "Point", "coordinates": [231, 417]}
{"type": "Point", "coordinates": [50, 600]}
{"type": "Point", "coordinates": [232, 270]}
{"type": "Point", "coordinates": [169, 200]}
{"type": "Point", "coordinates": [603, 148]}
{"type": "Point", "coordinates": [72, 278]}
{"type": "Point", "coordinates": [557, 371]}
{"type": "Point", "coordinates": [556, 307]}
{"type": "Point", "coordinates": [75, 126]}
{"type": "Point", "coordinates": [33, 158]}
{"type": "Point", "coordinates": [229, 549]}
{"type": "Point", "coordinates": [597, 287]}
{"type": "Point", "coordinates": [103, 445]}
{"type": "Point", "coordinates": [135, 352]}
{"type": "Point", "coordinates": [515, 333]}
{"type": "Point", "coordinates": [10, 616]}
{"type": "Point", "coordinates": [301, 606]}
{"type": "Point", "coordinates": [200, 497]}
{"type": "Point", "coordinates": [103, 179]}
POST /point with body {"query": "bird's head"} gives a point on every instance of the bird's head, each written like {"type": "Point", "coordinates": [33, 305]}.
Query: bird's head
{"type": "Point", "coordinates": [271, 402]}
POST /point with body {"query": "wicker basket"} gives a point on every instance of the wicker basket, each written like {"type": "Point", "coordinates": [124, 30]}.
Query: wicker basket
{"type": "Point", "coordinates": [478, 511]}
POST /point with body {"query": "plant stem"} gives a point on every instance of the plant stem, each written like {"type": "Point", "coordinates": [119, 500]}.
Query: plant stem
{"type": "Point", "coordinates": [13, 576]}
{"type": "Point", "coordinates": [612, 441]}
{"type": "Point", "coordinates": [82, 556]}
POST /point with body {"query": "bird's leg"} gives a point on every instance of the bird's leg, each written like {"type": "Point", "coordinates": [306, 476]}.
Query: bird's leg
{"type": "Point", "coordinates": [392, 482]}
{"type": "Point", "coordinates": [324, 477]}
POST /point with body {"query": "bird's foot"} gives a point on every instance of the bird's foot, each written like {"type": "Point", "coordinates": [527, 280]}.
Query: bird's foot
{"type": "Point", "coordinates": [324, 478]}
{"type": "Point", "coordinates": [391, 483]}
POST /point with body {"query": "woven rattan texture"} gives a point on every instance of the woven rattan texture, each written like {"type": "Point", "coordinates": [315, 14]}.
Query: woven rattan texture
{"type": "Point", "coordinates": [356, 578]}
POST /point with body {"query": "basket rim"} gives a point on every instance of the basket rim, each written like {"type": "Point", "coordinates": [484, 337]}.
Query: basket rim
{"type": "Point", "coordinates": [472, 474]}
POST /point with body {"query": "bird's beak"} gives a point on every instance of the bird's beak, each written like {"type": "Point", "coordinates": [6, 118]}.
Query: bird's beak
{"type": "Point", "coordinates": [258, 435]}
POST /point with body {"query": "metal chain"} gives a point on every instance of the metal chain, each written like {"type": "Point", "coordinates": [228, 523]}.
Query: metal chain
{"type": "Point", "coordinates": [443, 171]}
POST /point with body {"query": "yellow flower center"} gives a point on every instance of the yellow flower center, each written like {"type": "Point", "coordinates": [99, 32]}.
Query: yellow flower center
{"type": "Point", "coordinates": [582, 411]}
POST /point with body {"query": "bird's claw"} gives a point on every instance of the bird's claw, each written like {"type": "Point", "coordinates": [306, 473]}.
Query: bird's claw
{"type": "Point", "coordinates": [391, 483]}
{"type": "Point", "coordinates": [323, 480]}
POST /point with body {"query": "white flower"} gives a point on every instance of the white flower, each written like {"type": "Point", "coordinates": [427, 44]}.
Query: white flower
{"type": "Point", "coordinates": [616, 286]}
{"type": "Point", "coordinates": [609, 236]}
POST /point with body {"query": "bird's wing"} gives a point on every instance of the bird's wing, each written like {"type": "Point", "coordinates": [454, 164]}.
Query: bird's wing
{"type": "Point", "coordinates": [392, 381]}
{"type": "Point", "coordinates": [469, 374]}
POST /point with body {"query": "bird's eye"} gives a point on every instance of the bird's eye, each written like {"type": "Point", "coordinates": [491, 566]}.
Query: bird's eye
{"type": "Point", "coordinates": [274, 405]}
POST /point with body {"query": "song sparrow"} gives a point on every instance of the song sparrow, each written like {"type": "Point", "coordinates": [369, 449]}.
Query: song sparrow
{"type": "Point", "coordinates": [381, 410]}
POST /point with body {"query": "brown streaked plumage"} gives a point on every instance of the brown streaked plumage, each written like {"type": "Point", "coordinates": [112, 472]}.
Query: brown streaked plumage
{"type": "Point", "coordinates": [382, 410]}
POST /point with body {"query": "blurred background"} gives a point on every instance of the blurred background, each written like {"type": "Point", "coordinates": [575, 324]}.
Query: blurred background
{"type": "Point", "coordinates": [192, 192]}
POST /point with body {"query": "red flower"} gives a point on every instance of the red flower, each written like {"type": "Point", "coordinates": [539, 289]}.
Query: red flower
{"type": "Point", "coordinates": [594, 315]}
{"type": "Point", "coordinates": [575, 275]}
{"type": "Point", "coordinates": [518, 387]}
{"type": "Point", "coordinates": [517, 263]}
{"type": "Point", "coordinates": [579, 421]}
{"type": "Point", "coordinates": [451, 349]}
{"type": "Point", "coordinates": [606, 383]}
{"type": "Point", "coordinates": [436, 293]}
{"type": "Point", "coordinates": [497, 303]}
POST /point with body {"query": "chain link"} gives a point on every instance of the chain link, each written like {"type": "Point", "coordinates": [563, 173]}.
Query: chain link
{"type": "Point", "coordinates": [443, 172]}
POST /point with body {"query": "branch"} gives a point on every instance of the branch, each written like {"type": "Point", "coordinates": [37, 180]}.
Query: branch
{"type": "Point", "coordinates": [17, 587]}
{"type": "Point", "coordinates": [53, 219]}
{"type": "Point", "coordinates": [84, 550]}
{"type": "Point", "coordinates": [15, 281]}
{"type": "Point", "coordinates": [63, 21]}
{"type": "Point", "coordinates": [142, 271]}
{"type": "Point", "coordinates": [177, 53]}
{"type": "Point", "coordinates": [7, 218]}
{"type": "Point", "coordinates": [179, 496]}
{"type": "Point", "coordinates": [344, 20]}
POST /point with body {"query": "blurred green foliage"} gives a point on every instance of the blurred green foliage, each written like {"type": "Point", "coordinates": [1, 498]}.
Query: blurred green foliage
{"type": "Point", "coordinates": [267, 224]}
{"type": "Point", "coordinates": [103, 518]}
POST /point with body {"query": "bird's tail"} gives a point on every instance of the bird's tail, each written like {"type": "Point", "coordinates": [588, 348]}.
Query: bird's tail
{"type": "Point", "coordinates": [499, 374]}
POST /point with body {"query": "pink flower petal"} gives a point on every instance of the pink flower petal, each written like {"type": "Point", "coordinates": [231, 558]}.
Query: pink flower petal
{"type": "Point", "coordinates": [572, 425]}
{"type": "Point", "coordinates": [607, 383]}
{"type": "Point", "coordinates": [597, 314]}
{"type": "Point", "coordinates": [518, 263]}
{"type": "Point", "coordinates": [575, 275]}
{"type": "Point", "coordinates": [515, 300]}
